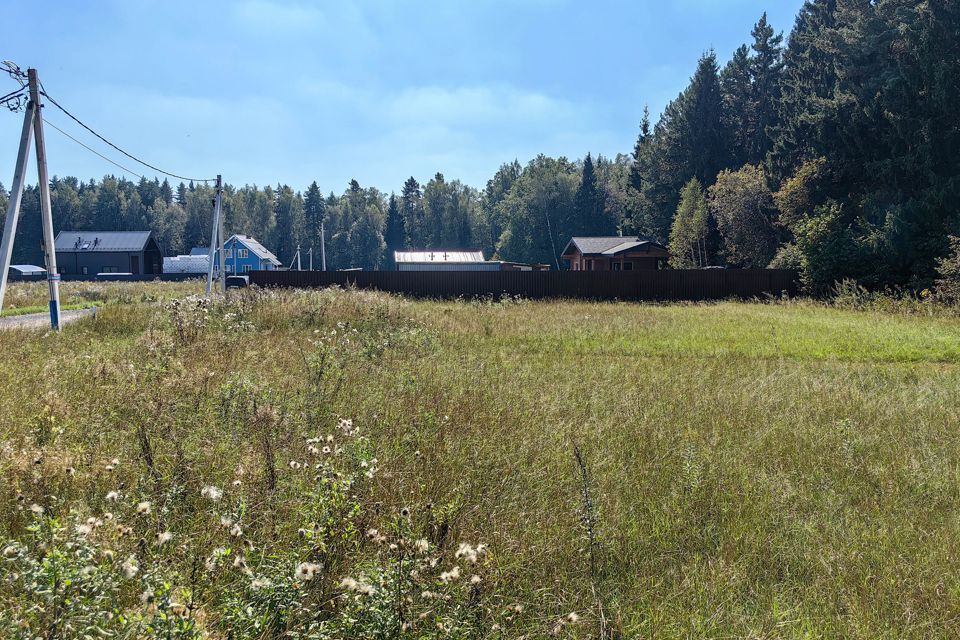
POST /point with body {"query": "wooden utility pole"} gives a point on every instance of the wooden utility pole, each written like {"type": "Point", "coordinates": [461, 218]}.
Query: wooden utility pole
{"type": "Point", "coordinates": [32, 125]}
{"type": "Point", "coordinates": [216, 240]}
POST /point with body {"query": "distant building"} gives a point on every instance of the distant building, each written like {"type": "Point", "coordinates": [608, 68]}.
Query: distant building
{"type": "Point", "coordinates": [456, 260]}
{"type": "Point", "coordinates": [241, 254]}
{"type": "Point", "coordinates": [93, 252]}
{"type": "Point", "coordinates": [186, 264]}
{"type": "Point", "coordinates": [614, 253]}
{"type": "Point", "coordinates": [26, 272]}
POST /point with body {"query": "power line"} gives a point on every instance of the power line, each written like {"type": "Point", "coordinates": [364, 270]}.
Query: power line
{"type": "Point", "coordinates": [129, 155]}
{"type": "Point", "coordinates": [94, 151]}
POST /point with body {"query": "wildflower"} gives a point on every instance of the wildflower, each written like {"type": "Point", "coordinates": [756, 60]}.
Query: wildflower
{"type": "Point", "coordinates": [37, 509]}
{"type": "Point", "coordinates": [260, 583]}
{"type": "Point", "coordinates": [236, 531]}
{"type": "Point", "coordinates": [70, 471]}
{"type": "Point", "coordinates": [236, 483]}
{"type": "Point", "coordinates": [10, 551]}
{"type": "Point", "coordinates": [84, 529]}
{"type": "Point", "coordinates": [123, 531]}
{"type": "Point", "coordinates": [226, 522]}
{"type": "Point", "coordinates": [143, 508]}
{"type": "Point", "coordinates": [421, 546]}
{"type": "Point", "coordinates": [130, 569]}
{"type": "Point", "coordinates": [349, 584]}
{"type": "Point", "coordinates": [450, 576]}
{"type": "Point", "coordinates": [572, 618]}
{"type": "Point", "coordinates": [211, 492]}
{"type": "Point", "coordinates": [294, 465]}
{"type": "Point", "coordinates": [113, 496]}
{"type": "Point", "coordinates": [475, 579]}
{"type": "Point", "coordinates": [405, 512]}
{"type": "Point", "coordinates": [147, 597]}
{"type": "Point", "coordinates": [108, 516]}
{"type": "Point", "coordinates": [306, 571]}
{"type": "Point", "coordinates": [365, 589]}
{"type": "Point", "coordinates": [326, 451]}
{"type": "Point", "coordinates": [87, 571]}
{"type": "Point", "coordinates": [467, 552]}
{"type": "Point", "coordinates": [164, 538]}
{"type": "Point", "coordinates": [108, 555]}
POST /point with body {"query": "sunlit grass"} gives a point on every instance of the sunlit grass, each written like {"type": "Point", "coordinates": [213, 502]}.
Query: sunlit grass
{"type": "Point", "coordinates": [758, 470]}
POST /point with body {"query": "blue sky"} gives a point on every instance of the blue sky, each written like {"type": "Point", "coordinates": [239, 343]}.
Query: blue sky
{"type": "Point", "coordinates": [290, 91]}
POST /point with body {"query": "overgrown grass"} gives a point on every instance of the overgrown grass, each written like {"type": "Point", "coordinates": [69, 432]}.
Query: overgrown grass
{"type": "Point", "coordinates": [750, 470]}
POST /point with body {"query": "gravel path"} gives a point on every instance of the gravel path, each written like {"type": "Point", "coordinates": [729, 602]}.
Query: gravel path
{"type": "Point", "coordinates": [42, 320]}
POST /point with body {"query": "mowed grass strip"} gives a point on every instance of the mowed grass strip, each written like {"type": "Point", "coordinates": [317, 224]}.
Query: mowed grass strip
{"type": "Point", "coordinates": [758, 470]}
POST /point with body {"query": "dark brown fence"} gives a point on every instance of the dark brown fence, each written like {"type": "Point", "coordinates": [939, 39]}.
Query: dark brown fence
{"type": "Point", "coordinates": [678, 284]}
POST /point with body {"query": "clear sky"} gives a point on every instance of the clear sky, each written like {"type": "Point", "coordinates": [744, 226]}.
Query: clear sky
{"type": "Point", "coordinates": [290, 91]}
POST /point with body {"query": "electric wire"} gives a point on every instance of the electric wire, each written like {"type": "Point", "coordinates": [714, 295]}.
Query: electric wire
{"type": "Point", "coordinates": [13, 94]}
{"type": "Point", "coordinates": [94, 151]}
{"type": "Point", "coordinates": [43, 92]}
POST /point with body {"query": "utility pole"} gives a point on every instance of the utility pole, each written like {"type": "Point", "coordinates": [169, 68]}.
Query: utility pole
{"type": "Point", "coordinates": [216, 241]}
{"type": "Point", "coordinates": [311, 258]}
{"type": "Point", "coordinates": [298, 259]}
{"type": "Point", "coordinates": [49, 246]}
{"type": "Point", "coordinates": [323, 249]}
{"type": "Point", "coordinates": [32, 124]}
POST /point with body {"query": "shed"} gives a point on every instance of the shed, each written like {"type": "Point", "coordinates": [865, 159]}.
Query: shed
{"type": "Point", "coordinates": [26, 272]}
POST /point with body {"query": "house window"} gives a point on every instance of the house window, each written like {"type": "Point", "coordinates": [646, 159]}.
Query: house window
{"type": "Point", "coordinates": [85, 270]}
{"type": "Point", "coordinates": [616, 266]}
{"type": "Point", "coordinates": [228, 253]}
{"type": "Point", "coordinates": [247, 268]}
{"type": "Point", "coordinates": [628, 266]}
{"type": "Point", "coordinates": [242, 253]}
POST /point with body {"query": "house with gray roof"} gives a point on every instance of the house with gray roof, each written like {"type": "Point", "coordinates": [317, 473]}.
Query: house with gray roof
{"type": "Point", "coordinates": [614, 253]}
{"type": "Point", "coordinates": [93, 252]}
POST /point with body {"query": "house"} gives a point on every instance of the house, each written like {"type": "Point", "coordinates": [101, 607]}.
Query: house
{"type": "Point", "coordinates": [93, 252]}
{"type": "Point", "coordinates": [456, 260]}
{"type": "Point", "coordinates": [614, 253]}
{"type": "Point", "coordinates": [243, 253]}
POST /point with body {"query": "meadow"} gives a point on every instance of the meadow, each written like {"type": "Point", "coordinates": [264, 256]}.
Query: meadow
{"type": "Point", "coordinates": [335, 464]}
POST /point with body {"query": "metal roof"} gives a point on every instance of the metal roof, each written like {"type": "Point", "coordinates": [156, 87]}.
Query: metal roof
{"type": "Point", "coordinates": [608, 245]}
{"type": "Point", "coordinates": [28, 268]}
{"type": "Point", "coordinates": [258, 249]}
{"type": "Point", "coordinates": [439, 255]}
{"type": "Point", "coordinates": [101, 241]}
{"type": "Point", "coordinates": [200, 251]}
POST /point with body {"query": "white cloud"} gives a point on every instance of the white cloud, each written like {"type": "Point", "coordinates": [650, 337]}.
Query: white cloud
{"type": "Point", "coordinates": [273, 16]}
{"type": "Point", "coordinates": [475, 105]}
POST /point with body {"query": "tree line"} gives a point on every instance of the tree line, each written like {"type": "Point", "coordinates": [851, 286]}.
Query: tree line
{"type": "Point", "coordinates": [833, 151]}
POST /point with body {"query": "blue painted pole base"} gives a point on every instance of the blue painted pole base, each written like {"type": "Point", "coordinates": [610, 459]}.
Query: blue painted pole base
{"type": "Point", "coordinates": [54, 316]}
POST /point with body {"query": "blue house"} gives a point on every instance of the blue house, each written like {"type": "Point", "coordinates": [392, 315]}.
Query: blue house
{"type": "Point", "coordinates": [241, 254]}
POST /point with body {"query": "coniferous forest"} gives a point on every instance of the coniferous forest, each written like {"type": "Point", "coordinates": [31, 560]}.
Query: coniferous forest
{"type": "Point", "coordinates": [834, 149]}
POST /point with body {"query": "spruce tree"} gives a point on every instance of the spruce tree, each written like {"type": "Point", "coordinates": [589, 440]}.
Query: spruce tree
{"type": "Point", "coordinates": [739, 113]}
{"type": "Point", "coordinates": [411, 210]}
{"type": "Point", "coordinates": [396, 233]}
{"type": "Point", "coordinates": [766, 65]}
{"type": "Point", "coordinates": [313, 216]}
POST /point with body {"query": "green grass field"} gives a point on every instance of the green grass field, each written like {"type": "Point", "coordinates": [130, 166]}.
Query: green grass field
{"type": "Point", "coordinates": [780, 470]}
